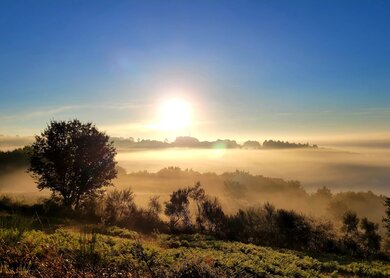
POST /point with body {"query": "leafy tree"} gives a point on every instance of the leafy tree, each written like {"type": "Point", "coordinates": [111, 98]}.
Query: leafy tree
{"type": "Point", "coordinates": [323, 193]}
{"type": "Point", "coordinates": [350, 223]}
{"type": "Point", "coordinates": [72, 159]}
{"type": "Point", "coordinates": [351, 241]}
{"type": "Point", "coordinates": [154, 206]}
{"type": "Point", "coordinates": [118, 205]}
{"type": "Point", "coordinates": [294, 230]}
{"type": "Point", "coordinates": [270, 225]}
{"type": "Point", "coordinates": [271, 144]}
{"type": "Point", "coordinates": [212, 215]}
{"type": "Point", "coordinates": [251, 145]}
{"type": "Point", "coordinates": [198, 194]}
{"type": "Point", "coordinates": [386, 220]}
{"type": "Point", "coordinates": [177, 209]}
{"type": "Point", "coordinates": [370, 238]}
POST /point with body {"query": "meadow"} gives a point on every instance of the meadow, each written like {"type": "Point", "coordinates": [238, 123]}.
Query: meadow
{"type": "Point", "coordinates": [98, 251]}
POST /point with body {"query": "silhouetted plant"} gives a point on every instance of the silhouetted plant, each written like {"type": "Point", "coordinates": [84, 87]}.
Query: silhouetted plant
{"type": "Point", "coordinates": [386, 219]}
{"type": "Point", "coordinates": [154, 206]}
{"type": "Point", "coordinates": [177, 209]}
{"type": "Point", "coordinates": [92, 208]}
{"type": "Point", "coordinates": [213, 217]}
{"type": "Point", "coordinates": [293, 229]}
{"type": "Point", "coordinates": [73, 160]}
{"type": "Point", "coordinates": [271, 144]}
{"type": "Point", "coordinates": [350, 223]}
{"type": "Point", "coordinates": [198, 194]}
{"type": "Point", "coordinates": [119, 204]}
{"type": "Point", "coordinates": [350, 239]}
{"type": "Point", "coordinates": [251, 145]}
{"type": "Point", "coordinates": [371, 240]}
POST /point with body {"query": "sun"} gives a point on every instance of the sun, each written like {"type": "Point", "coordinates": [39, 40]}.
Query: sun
{"type": "Point", "coordinates": [175, 114]}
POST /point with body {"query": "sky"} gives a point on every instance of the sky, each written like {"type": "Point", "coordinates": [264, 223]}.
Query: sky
{"type": "Point", "coordinates": [244, 69]}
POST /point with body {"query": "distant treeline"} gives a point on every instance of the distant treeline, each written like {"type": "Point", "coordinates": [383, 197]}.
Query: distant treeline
{"type": "Point", "coordinates": [14, 142]}
{"type": "Point", "coordinates": [11, 160]}
{"type": "Point", "coordinates": [181, 142]}
{"type": "Point", "coordinates": [191, 142]}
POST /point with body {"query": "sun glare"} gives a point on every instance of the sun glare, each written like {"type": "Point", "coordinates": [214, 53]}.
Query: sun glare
{"type": "Point", "coordinates": [175, 114]}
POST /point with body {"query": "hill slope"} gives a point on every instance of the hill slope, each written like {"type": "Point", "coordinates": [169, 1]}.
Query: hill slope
{"type": "Point", "coordinates": [122, 253]}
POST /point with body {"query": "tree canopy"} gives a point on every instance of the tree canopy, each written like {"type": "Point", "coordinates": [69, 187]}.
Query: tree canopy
{"type": "Point", "coordinates": [72, 159]}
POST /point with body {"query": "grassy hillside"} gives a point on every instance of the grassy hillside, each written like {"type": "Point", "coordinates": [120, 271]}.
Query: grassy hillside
{"type": "Point", "coordinates": [100, 252]}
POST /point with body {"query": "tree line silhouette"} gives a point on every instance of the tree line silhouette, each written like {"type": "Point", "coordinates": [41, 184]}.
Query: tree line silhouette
{"type": "Point", "coordinates": [192, 142]}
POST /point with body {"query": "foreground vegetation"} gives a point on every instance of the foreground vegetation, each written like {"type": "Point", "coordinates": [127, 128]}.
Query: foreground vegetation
{"type": "Point", "coordinates": [194, 239]}
{"type": "Point", "coordinates": [99, 251]}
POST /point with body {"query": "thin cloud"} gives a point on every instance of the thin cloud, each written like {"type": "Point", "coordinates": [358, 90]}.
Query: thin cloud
{"type": "Point", "coordinates": [50, 111]}
{"type": "Point", "coordinates": [39, 113]}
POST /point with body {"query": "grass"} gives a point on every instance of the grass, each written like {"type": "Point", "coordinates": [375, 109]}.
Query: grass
{"type": "Point", "coordinates": [110, 251]}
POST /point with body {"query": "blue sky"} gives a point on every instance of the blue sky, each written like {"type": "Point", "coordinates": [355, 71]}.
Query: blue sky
{"type": "Point", "coordinates": [248, 68]}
